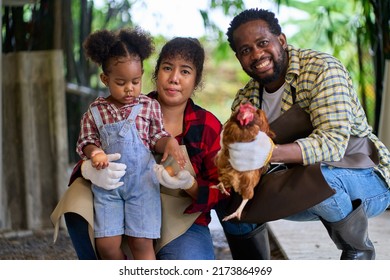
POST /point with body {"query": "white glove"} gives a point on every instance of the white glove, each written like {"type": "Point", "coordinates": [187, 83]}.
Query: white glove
{"type": "Point", "coordinates": [245, 156]}
{"type": "Point", "coordinates": [183, 179]}
{"type": "Point", "coordinates": [107, 178]}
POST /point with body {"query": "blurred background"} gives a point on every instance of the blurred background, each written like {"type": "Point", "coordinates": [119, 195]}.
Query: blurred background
{"type": "Point", "coordinates": [47, 84]}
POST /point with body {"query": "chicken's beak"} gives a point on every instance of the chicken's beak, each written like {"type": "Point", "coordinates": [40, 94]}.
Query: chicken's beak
{"type": "Point", "coordinates": [246, 118]}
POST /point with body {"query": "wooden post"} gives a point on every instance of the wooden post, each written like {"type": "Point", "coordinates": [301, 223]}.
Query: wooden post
{"type": "Point", "coordinates": [57, 44]}
{"type": "Point", "coordinates": [3, 201]}
{"type": "Point", "coordinates": [384, 130]}
{"type": "Point", "coordinates": [35, 137]}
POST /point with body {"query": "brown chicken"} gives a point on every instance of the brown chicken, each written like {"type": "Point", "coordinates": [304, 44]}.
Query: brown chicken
{"type": "Point", "coordinates": [243, 126]}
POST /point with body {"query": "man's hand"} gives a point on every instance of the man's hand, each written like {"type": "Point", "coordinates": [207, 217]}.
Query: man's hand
{"type": "Point", "coordinates": [245, 156]}
{"type": "Point", "coordinates": [107, 178]}
{"type": "Point", "coordinates": [183, 179]}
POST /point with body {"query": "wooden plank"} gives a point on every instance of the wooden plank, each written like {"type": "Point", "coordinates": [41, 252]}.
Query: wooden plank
{"type": "Point", "coordinates": [16, 3]}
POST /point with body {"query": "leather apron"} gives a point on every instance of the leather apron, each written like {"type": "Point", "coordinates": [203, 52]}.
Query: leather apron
{"type": "Point", "coordinates": [289, 191]}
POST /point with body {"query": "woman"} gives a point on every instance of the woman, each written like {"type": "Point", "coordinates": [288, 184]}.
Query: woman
{"type": "Point", "coordinates": [177, 75]}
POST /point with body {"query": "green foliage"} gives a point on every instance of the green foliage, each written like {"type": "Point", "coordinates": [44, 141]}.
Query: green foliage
{"type": "Point", "coordinates": [335, 22]}
{"type": "Point", "coordinates": [115, 14]}
{"type": "Point", "coordinates": [22, 27]}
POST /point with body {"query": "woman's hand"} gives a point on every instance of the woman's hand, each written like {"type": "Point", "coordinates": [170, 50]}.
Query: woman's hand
{"type": "Point", "coordinates": [107, 178]}
{"type": "Point", "coordinates": [183, 179]}
{"type": "Point", "coordinates": [173, 148]}
{"type": "Point", "coordinates": [245, 156]}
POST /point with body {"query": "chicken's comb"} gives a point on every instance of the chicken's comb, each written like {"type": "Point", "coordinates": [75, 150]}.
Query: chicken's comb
{"type": "Point", "coordinates": [246, 105]}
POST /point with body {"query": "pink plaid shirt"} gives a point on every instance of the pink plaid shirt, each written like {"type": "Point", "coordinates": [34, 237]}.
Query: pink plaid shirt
{"type": "Point", "coordinates": [149, 122]}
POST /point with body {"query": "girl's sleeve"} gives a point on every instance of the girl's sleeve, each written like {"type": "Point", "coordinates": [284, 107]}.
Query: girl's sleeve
{"type": "Point", "coordinates": [156, 131]}
{"type": "Point", "coordinates": [89, 134]}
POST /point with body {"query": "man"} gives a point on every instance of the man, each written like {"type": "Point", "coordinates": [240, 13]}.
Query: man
{"type": "Point", "coordinates": [338, 170]}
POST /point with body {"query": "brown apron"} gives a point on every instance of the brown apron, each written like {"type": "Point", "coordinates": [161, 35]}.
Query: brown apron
{"type": "Point", "coordinates": [289, 191]}
{"type": "Point", "coordinates": [174, 221]}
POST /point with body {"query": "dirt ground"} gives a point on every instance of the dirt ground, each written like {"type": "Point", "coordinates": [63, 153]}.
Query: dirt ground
{"type": "Point", "coordinates": [38, 245]}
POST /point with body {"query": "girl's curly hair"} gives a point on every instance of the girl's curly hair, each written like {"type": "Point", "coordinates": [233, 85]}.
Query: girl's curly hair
{"type": "Point", "coordinates": [102, 45]}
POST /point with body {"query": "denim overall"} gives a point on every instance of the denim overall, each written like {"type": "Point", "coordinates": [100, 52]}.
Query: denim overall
{"type": "Point", "coordinates": [134, 209]}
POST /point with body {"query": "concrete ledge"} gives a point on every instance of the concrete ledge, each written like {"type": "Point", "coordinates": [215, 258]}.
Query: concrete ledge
{"type": "Point", "coordinates": [310, 240]}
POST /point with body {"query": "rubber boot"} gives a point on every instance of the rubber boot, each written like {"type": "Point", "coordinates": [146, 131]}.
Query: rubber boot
{"type": "Point", "coordinates": [351, 235]}
{"type": "Point", "coordinates": [251, 246]}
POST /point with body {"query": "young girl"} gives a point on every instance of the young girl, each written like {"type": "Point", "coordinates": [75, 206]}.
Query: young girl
{"type": "Point", "coordinates": [131, 124]}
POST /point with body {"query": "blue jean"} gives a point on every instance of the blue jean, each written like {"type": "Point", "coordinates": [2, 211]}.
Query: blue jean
{"type": "Point", "coordinates": [349, 184]}
{"type": "Point", "coordinates": [124, 210]}
{"type": "Point", "coordinates": [78, 232]}
{"type": "Point", "coordinates": [194, 244]}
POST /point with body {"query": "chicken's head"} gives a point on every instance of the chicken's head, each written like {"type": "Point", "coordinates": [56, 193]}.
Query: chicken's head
{"type": "Point", "coordinates": [246, 113]}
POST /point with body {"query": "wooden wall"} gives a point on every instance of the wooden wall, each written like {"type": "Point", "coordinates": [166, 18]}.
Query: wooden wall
{"type": "Point", "coordinates": [34, 134]}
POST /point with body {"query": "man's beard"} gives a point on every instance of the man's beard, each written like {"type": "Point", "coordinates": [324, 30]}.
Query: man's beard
{"type": "Point", "coordinates": [278, 70]}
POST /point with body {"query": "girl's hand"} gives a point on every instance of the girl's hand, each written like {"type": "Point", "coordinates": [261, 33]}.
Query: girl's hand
{"type": "Point", "coordinates": [108, 178]}
{"type": "Point", "coordinates": [99, 160]}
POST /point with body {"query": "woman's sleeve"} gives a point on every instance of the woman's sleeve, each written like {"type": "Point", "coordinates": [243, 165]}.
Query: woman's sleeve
{"type": "Point", "coordinates": [206, 170]}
